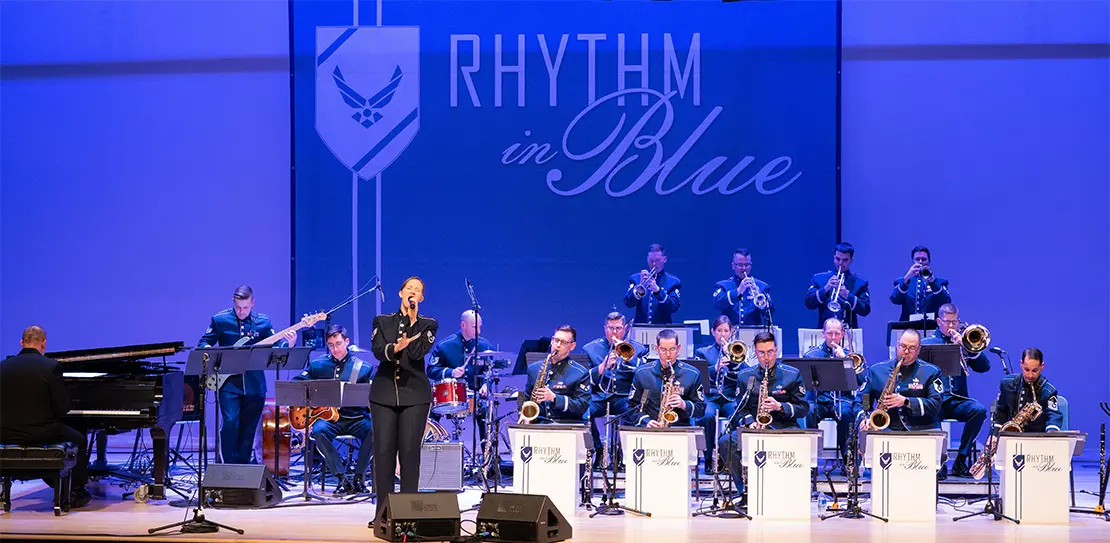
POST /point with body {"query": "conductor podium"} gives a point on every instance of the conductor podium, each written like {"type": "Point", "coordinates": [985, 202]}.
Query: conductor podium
{"type": "Point", "coordinates": [1035, 470]}
{"type": "Point", "coordinates": [657, 479]}
{"type": "Point", "coordinates": [778, 464]}
{"type": "Point", "coordinates": [546, 460]}
{"type": "Point", "coordinates": [904, 473]}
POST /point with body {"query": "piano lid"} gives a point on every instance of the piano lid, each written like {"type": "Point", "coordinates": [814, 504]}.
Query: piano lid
{"type": "Point", "coordinates": [121, 354]}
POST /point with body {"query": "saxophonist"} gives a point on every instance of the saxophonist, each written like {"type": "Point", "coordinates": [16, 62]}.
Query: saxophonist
{"type": "Point", "coordinates": [611, 376]}
{"type": "Point", "coordinates": [839, 406]}
{"type": "Point", "coordinates": [721, 400]}
{"type": "Point", "coordinates": [564, 394]}
{"type": "Point", "coordinates": [743, 298]}
{"type": "Point", "coordinates": [688, 399]}
{"type": "Point", "coordinates": [956, 401]}
{"type": "Point", "coordinates": [1017, 390]}
{"type": "Point", "coordinates": [784, 399]}
{"type": "Point", "coordinates": [915, 401]}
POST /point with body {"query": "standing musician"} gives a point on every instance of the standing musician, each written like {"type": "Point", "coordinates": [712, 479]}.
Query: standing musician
{"type": "Point", "coordinates": [1017, 390]}
{"type": "Point", "coordinates": [646, 395]}
{"type": "Point", "coordinates": [353, 421]}
{"type": "Point", "coordinates": [956, 402]}
{"type": "Point", "coordinates": [852, 298]}
{"type": "Point", "coordinates": [737, 297]}
{"type": "Point", "coordinates": [565, 394]}
{"type": "Point", "coordinates": [401, 393]}
{"type": "Point", "coordinates": [839, 406]}
{"type": "Point", "coordinates": [654, 292]}
{"type": "Point", "coordinates": [452, 358]}
{"type": "Point", "coordinates": [241, 396]}
{"type": "Point", "coordinates": [721, 400]}
{"type": "Point", "coordinates": [785, 399]}
{"type": "Point", "coordinates": [915, 401]}
{"type": "Point", "coordinates": [920, 291]}
{"type": "Point", "coordinates": [33, 399]}
{"type": "Point", "coordinates": [611, 376]}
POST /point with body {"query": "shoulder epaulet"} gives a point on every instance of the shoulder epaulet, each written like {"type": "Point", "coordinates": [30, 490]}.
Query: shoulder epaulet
{"type": "Point", "coordinates": [575, 364]}
{"type": "Point", "coordinates": [227, 311]}
{"type": "Point", "coordinates": [647, 366]}
{"type": "Point", "coordinates": [450, 337]}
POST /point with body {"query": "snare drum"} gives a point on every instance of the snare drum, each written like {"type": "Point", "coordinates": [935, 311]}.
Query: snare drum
{"type": "Point", "coordinates": [449, 396]}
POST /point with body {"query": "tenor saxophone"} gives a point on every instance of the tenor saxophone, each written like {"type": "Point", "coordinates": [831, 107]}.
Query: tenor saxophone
{"type": "Point", "coordinates": [879, 419]}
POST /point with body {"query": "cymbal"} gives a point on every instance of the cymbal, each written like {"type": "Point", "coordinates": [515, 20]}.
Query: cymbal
{"type": "Point", "coordinates": [495, 354]}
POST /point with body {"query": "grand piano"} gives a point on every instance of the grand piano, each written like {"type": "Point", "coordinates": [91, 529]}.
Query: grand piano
{"type": "Point", "coordinates": [118, 389]}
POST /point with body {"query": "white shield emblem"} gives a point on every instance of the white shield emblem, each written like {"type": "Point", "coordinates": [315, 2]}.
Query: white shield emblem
{"type": "Point", "coordinates": [367, 93]}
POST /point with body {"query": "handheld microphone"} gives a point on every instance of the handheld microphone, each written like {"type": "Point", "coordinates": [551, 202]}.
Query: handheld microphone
{"type": "Point", "coordinates": [412, 303]}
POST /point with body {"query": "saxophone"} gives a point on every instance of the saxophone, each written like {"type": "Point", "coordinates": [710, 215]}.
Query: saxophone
{"type": "Point", "coordinates": [763, 416]}
{"type": "Point", "coordinates": [667, 416]}
{"type": "Point", "coordinates": [530, 409]}
{"type": "Point", "coordinates": [1028, 413]}
{"type": "Point", "coordinates": [879, 419]}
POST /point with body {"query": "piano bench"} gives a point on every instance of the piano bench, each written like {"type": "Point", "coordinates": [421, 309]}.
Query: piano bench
{"type": "Point", "coordinates": [51, 462]}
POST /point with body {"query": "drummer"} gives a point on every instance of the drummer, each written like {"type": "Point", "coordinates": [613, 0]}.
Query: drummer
{"type": "Point", "coordinates": [452, 358]}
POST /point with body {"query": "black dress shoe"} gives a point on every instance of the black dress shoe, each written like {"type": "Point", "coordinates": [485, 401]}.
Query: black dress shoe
{"type": "Point", "coordinates": [345, 487]}
{"type": "Point", "coordinates": [943, 473]}
{"type": "Point", "coordinates": [79, 497]}
{"type": "Point", "coordinates": [960, 469]}
{"type": "Point", "coordinates": [360, 485]}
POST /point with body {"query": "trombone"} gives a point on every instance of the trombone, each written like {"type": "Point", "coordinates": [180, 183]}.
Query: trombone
{"type": "Point", "coordinates": [736, 352]}
{"type": "Point", "coordinates": [974, 339]}
{"type": "Point", "coordinates": [626, 352]}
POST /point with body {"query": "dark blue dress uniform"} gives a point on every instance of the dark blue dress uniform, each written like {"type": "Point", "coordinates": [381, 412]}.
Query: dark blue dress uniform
{"type": "Point", "coordinates": [657, 308]}
{"type": "Point", "coordinates": [839, 406]}
{"type": "Point", "coordinates": [720, 401]}
{"type": "Point", "coordinates": [857, 304]}
{"type": "Point", "coordinates": [353, 421]}
{"type": "Point", "coordinates": [571, 384]}
{"type": "Point", "coordinates": [919, 382]}
{"type": "Point", "coordinates": [956, 403]}
{"type": "Point", "coordinates": [1014, 392]}
{"type": "Point", "coordinates": [617, 380]}
{"type": "Point", "coordinates": [934, 294]}
{"type": "Point", "coordinates": [399, 399]}
{"type": "Point", "coordinates": [784, 385]}
{"type": "Point", "coordinates": [451, 353]}
{"type": "Point", "coordinates": [241, 396]}
{"type": "Point", "coordinates": [647, 391]}
{"type": "Point", "coordinates": [742, 311]}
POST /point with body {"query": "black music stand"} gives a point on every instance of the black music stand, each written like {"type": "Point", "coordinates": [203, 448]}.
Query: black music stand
{"type": "Point", "coordinates": [944, 356]}
{"type": "Point", "coordinates": [308, 393]}
{"type": "Point", "coordinates": [265, 358]}
{"type": "Point", "coordinates": [922, 326]}
{"type": "Point", "coordinates": [198, 364]}
{"type": "Point", "coordinates": [827, 375]}
{"type": "Point", "coordinates": [358, 395]}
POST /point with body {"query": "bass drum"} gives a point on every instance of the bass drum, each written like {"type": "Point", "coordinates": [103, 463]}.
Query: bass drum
{"type": "Point", "coordinates": [435, 432]}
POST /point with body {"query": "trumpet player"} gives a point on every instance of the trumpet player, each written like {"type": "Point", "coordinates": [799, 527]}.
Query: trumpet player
{"type": "Point", "coordinates": [1017, 390]}
{"type": "Point", "coordinates": [565, 393]}
{"type": "Point", "coordinates": [721, 400]}
{"type": "Point", "coordinates": [744, 299]}
{"type": "Point", "coordinates": [839, 293]}
{"type": "Point", "coordinates": [646, 394]}
{"type": "Point", "coordinates": [914, 402]}
{"type": "Point", "coordinates": [610, 374]}
{"type": "Point", "coordinates": [839, 406]}
{"type": "Point", "coordinates": [956, 402]}
{"type": "Point", "coordinates": [654, 292]}
{"type": "Point", "coordinates": [784, 399]}
{"type": "Point", "coordinates": [920, 291]}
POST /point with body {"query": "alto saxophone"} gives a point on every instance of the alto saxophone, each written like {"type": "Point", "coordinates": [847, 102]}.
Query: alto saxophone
{"type": "Point", "coordinates": [667, 416]}
{"type": "Point", "coordinates": [1028, 413]}
{"type": "Point", "coordinates": [763, 415]}
{"type": "Point", "coordinates": [531, 408]}
{"type": "Point", "coordinates": [879, 419]}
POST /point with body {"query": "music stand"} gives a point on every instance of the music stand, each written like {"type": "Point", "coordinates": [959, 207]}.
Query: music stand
{"type": "Point", "coordinates": [266, 357]}
{"type": "Point", "coordinates": [944, 356]}
{"type": "Point", "coordinates": [922, 326]}
{"type": "Point", "coordinates": [308, 393]}
{"type": "Point", "coordinates": [357, 395]}
{"type": "Point", "coordinates": [827, 375]}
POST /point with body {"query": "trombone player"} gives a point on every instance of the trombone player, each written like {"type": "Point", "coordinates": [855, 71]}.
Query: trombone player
{"type": "Point", "coordinates": [839, 406]}
{"type": "Point", "coordinates": [956, 402]}
{"type": "Point", "coordinates": [725, 358]}
{"type": "Point", "coordinates": [564, 394]}
{"type": "Point", "coordinates": [613, 360]}
{"type": "Point", "coordinates": [744, 299]}
{"type": "Point", "coordinates": [839, 293]}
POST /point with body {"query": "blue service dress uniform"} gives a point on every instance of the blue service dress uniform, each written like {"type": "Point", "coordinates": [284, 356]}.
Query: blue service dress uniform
{"type": "Point", "coordinates": [658, 307]}
{"type": "Point", "coordinates": [721, 400]}
{"type": "Point", "coordinates": [920, 296]}
{"type": "Point", "coordinates": [742, 310]}
{"type": "Point", "coordinates": [838, 406]}
{"type": "Point", "coordinates": [570, 382]}
{"type": "Point", "coordinates": [920, 382]}
{"type": "Point", "coordinates": [956, 402]}
{"type": "Point", "coordinates": [452, 353]}
{"type": "Point", "coordinates": [1014, 392]}
{"type": "Point", "coordinates": [857, 304]}
{"type": "Point", "coordinates": [353, 421]}
{"type": "Point", "coordinates": [241, 396]}
{"type": "Point", "coordinates": [610, 390]}
{"type": "Point", "coordinates": [647, 392]}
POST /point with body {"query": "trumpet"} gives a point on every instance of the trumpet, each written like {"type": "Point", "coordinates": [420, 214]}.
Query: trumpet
{"type": "Point", "coordinates": [530, 409]}
{"type": "Point", "coordinates": [925, 273]}
{"type": "Point", "coordinates": [759, 299]}
{"type": "Point", "coordinates": [641, 289]}
{"type": "Point", "coordinates": [834, 294]}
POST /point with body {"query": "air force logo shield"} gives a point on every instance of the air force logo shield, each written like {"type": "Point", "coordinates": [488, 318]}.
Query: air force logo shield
{"type": "Point", "coordinates": [367, 93]}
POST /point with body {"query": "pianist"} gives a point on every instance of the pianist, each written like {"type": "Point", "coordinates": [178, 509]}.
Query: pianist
{"type": "Point", "coordinates": [33, 399]}
{"type": "Point", "coordinates": [241, 396]}
{"type": "Point", "coordinates": [341, 364]}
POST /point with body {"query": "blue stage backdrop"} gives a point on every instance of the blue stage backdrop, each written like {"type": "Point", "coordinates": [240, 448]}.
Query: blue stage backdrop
{"type": "Point", "coordinates": [537, 148]}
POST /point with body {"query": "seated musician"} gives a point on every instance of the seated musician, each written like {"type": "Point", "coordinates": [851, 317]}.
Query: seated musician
{"type": "Point", "coordinates": [646, 396]}
{"type": "Point", "coordinates": [33, 399]}
{"type": "Point", "coordinates": [353, 421]}
{"type": "Point", "coordinates": [784, 401]}
{"type": "Point", "coordinates": [721, 400]}
{"type": "Point", "coordinates": [735, 296]}
{"type": "Point", "coordinates": [452, 358]}
{"type": "Point", "coordinates": [914, 402]}
{"type": "Point", "coordinates": [655, 296]}
{"type": "Point", "coordinates": [565, 394]}
{"type": "Point", "coordinates": [1017, 390]}
{"type": "Point", "coordinates": [611, 376]}
{"type": "Point", "coordinates": [956, 401]}
{"type": "Point", "coordinates": [241, 396]}
{"type": "Point", "coordinates": [838, 406]}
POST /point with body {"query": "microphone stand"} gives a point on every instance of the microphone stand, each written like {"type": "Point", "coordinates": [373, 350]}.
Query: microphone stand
{"type": "Point", "coordinates": [852, 509]}
{"type": "Point", "coordinates": [728, 508]}
{"type": "Point", "coordinates": [475, 464]}
{"type": "Point", "coordinates": [609, 505]}
{"type": "Point", "coordinates": [992, 508]}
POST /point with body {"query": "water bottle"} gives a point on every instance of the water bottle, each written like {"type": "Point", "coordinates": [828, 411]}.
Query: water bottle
{"type": "Point", "coordinates": [822, 502]}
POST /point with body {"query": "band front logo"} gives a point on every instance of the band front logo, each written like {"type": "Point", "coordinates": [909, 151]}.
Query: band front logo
{"type": "Point", "coordinates": [546, 455]}
{"type": "Point", "coordinates": [658, 457]}
{"type": "Point", "coordinates": [1039, 462]}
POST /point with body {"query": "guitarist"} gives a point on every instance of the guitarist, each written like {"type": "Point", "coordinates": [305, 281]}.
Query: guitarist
{"type": "Point", "coordinates": [241, 396]}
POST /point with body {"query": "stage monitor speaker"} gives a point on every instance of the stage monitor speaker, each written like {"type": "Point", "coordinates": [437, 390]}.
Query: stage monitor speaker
{"type": "Point", "coordinates": [420, 516]}
{"type": "Point", "coordinates": [517, 518]}
{"type": "Point", "coordinates": [240, 486]}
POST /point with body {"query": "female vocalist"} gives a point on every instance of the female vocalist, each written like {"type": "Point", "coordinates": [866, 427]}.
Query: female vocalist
{"type": "Point", "coordinates": [401, 393]}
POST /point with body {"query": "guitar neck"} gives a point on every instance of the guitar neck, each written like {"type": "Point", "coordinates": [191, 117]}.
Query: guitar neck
{"type": "Point", "coordinates": [278, 335]}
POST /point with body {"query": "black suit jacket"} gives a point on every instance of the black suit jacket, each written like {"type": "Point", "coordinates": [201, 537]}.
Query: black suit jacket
{"type": "Point", "coordinates": [401, 379]}
{"type": "Point", "coordinates": [33, 398]}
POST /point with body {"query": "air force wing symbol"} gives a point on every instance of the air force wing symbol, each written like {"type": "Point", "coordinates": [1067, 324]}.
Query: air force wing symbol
{"type": "Point", "coordinates": [367, 93]}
